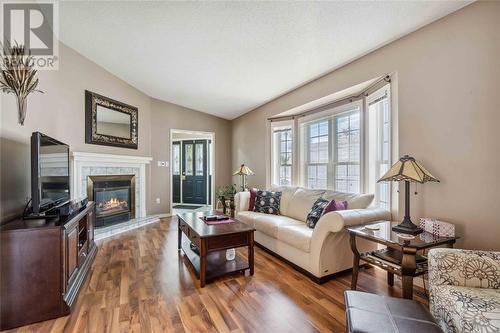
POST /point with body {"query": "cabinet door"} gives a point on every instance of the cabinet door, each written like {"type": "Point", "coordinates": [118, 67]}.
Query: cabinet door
{"type": "Point", "coordinates": [72, 253]}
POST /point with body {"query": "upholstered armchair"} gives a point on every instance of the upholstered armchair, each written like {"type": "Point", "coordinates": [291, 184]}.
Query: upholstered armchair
{"type": "Point", "coordinates": [464, 290]}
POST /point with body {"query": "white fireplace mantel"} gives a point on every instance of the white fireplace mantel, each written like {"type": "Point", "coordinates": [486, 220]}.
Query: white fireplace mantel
{"type": "Point", "coordinates": [87, 164]}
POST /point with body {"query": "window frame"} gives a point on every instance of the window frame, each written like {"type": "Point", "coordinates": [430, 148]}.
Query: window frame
{"type": "Point", "coordinates": [276, 151]}
{"type": "Point", "coordinates": [336, 162]}
{"type": "Point", "coordinates": [384, 91]}
{"type": "Point", "coordinates": [330, 114]}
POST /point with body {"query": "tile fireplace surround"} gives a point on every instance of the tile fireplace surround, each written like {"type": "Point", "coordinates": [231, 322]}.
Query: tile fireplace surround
{"type": "Point", "coordinates": [93, 164]}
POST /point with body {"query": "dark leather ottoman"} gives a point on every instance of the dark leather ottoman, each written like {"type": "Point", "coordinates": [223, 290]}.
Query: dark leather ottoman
{"type": "Point", "coordinates": [368, 313]}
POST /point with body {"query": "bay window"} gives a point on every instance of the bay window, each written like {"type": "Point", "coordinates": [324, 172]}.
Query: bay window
{"type": "Point", "coordinates": [344, 147]}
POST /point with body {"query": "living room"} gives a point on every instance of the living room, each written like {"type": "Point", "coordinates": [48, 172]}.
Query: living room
{"type": "Point", "coordinates": [260, 155]}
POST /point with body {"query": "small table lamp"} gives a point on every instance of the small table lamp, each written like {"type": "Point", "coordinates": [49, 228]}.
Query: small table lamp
{"type": "Point", "coordinates": [243, 171]}
{"type": "Point", "coordinates": [407, 170]}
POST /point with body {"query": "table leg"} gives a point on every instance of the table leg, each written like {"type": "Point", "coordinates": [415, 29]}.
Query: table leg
{"type": "Point", "coordinates": [203, 263]}
{"type": "Point", "coordinates": [408, 267]}
{"type": "Point", "coordinates": [355, 264]}
{"type": "Point", "coordinates": [251, 253]}
{"type": "Point", "coordinates": [390, 279]}
{"type": "Point", "coordinates": [179, 234]}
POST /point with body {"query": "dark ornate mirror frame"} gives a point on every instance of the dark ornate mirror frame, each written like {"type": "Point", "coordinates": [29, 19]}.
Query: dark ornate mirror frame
{"type": "Point", "coordinates": [92, 100]}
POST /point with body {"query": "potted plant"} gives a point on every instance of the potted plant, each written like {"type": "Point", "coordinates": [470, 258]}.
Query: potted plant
{"type": "Point", "coordinates": [225, 194]}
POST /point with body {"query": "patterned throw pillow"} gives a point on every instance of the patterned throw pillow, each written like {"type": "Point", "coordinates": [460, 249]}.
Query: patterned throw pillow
{"type": "Point", "coordinates": [267, 202]}
{"type": "Point", "coordinates": [315, 212]}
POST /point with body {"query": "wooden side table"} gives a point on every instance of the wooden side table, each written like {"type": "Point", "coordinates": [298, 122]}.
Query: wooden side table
{"type": "Point", "coordinates": [400, 257]}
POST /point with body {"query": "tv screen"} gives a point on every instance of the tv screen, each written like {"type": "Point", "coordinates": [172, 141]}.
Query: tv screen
{"type": "Point", "coordinates": [50, 172]}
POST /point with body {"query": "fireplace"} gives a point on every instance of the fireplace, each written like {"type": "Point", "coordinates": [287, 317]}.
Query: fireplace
{"type": "Point", "coordinates": [114, 198]}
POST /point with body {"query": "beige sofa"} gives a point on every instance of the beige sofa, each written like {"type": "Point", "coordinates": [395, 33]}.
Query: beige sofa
{"type": "Point", "coordinates": [321, 251]}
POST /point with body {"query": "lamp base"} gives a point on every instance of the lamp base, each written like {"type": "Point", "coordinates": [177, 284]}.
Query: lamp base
{"type": "Point", "coordinates": [407, 227]}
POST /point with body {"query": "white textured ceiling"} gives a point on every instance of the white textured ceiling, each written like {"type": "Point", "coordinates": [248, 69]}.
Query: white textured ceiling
{"type": "Point", "coordinates": [227, 58]}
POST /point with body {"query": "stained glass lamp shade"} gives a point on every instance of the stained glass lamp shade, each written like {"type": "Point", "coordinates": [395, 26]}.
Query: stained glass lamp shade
{"type": "Point", "coordinates": [408, 170]}
{"type": "Point", "coordinates": [243, 171]}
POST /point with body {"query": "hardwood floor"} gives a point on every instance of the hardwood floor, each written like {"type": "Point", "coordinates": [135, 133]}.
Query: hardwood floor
{"type": "Point", "coordinates": [140, 283]}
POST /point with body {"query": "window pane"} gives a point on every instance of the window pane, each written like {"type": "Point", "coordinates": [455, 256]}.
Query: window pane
{"type": "Point", "coordinates": [313, 130]}
{"type": "Point", "coordinates": [323, 128]}
{"type": "Point", "coordinates": [188, 159]}
{"type": "Point", "coordinates": [342, 147]}
{"type": "Point", "coordinates": [354, 150]}
{"type": "Point", "coordinates": [323, 149]}
{"type": "Point", "coordinates": [282, 157]}
{"type": "Point", "coordinates": [354, 121]}
{"type": "Point", "coordinates": [342, 124]}
{"type": "Point", "coordinates": [199, 159]}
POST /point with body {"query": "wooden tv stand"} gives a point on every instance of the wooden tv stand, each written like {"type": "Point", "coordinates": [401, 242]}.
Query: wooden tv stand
{"type": "Point", "coordinates": [43, 266]}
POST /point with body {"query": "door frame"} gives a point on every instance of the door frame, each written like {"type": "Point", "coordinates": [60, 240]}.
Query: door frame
{"type": "Point", "coordinates": [211, 166]}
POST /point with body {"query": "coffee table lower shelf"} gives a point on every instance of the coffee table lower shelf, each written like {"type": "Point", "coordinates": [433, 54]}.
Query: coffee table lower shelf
{"type": "Point", "coordinates": [216, 265]}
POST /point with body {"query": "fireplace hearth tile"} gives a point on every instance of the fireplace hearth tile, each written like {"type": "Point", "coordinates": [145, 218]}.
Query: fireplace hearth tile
{"type": "Point", "coordinates": [112, 230]}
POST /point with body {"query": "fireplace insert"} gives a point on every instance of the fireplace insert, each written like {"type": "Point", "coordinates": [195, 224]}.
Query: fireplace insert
{"type": "Point", "coordinates": [114, 198]}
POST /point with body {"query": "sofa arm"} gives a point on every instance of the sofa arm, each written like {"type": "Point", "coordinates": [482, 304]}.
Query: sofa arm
{"type": "Point", "coordinates": [335, 221]}
{"type": "Point", "coordinates": [241, 201]}
{"type": "Point", "coordinates": [465, 268]}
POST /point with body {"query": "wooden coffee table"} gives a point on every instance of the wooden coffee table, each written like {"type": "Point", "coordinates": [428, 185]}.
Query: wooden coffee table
{"type": "Point", "coordinates": [212, 242]}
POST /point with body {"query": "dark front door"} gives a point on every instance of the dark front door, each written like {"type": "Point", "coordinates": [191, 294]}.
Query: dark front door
{"type": "Point", "coordinates": [194, 171]}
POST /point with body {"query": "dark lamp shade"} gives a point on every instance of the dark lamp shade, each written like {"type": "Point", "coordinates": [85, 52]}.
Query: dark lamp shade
{"type": "Point", "coordinates": [407, 169]}
{"type": "Point", "coordinates": [243, 171]}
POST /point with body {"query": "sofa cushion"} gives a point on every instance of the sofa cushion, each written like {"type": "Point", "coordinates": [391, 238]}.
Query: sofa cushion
{"type": "Point", "coordinates": [247, 217]}
{"type": "Point", "coordinates": [267, 202]}
{"type": "Point", "coordinates": [354, 201]}
{"type": "Point", "coordinates": [286, 195]}
{"type": "Point", "coordinates": [316, 212]}
{"type": "Point", "coordinates": [269, 224]}
{"type": "Point", "coordinates": [301, 202]}
{"type": "Point", "coordinates": [298, 236]}
{"type": "Point", "coordinates": [464, 309]}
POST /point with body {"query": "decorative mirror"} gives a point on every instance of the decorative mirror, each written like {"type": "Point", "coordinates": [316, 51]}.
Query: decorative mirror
{"type": "Point", "coordinates": [109, 122]}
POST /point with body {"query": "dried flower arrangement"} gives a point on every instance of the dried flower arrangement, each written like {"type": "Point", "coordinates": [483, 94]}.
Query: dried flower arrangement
{"type": "Point", "coordinates": [18, 76]}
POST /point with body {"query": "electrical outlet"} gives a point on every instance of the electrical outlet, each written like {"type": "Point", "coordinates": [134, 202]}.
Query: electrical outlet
{"type": "Point", "coordinates": [166, 164]}
{"type": "Point", "coordinates": [159, 163]}
{"type": "Point", "coordinates": [158, 200]}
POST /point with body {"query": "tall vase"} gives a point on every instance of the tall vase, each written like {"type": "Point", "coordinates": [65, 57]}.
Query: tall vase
{"type": "Point", "coordinates": [21, 105]}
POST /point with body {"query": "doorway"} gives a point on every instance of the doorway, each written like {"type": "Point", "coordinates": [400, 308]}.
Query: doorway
{"type": "Point", "coordinates": [192, 170]}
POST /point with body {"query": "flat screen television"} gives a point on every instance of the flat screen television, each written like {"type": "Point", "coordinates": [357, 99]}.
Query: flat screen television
{"type": "Point", "coordinates": [49, 173]}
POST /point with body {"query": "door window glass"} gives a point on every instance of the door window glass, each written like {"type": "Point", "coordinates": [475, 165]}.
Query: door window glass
{"type": "Point", "coordinates": [188, 159]}
{"type": "Point", "coordinates": [176, 159]}
{"type": "Point", "coordinates": [199, 160]}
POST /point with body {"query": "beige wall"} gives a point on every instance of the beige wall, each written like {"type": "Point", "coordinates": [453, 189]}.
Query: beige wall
{"type": "Point", "coordinates": [448, 88]}
{"type": "Point", "coordinates": [60, 113]}
{"type": "Point", "coordinates": [166, 116]}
